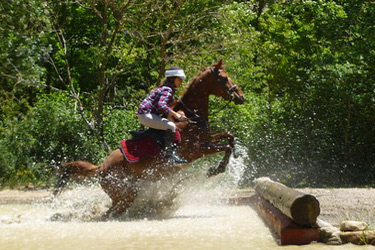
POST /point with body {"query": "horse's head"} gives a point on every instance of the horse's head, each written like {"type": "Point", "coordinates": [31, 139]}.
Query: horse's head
{"type": "Point", "coordinates": [223, 86]}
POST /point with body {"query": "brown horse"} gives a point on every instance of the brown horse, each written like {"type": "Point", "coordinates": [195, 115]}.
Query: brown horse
{"type": "Point", "coordinates": [117, 176]}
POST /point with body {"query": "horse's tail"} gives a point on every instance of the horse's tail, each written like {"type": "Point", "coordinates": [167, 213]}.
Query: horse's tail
{"type": "Point", "coordinates": [76, 170]}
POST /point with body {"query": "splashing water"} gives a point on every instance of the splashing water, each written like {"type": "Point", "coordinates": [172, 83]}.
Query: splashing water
{"type": "Point", "coordinates": [82, 203]}
{"type": "Point", "coordinates": [156, 200]}
{"type": "Point", "coordinates": [185, 211]}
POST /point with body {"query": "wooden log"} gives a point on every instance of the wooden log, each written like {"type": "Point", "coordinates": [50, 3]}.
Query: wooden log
{"type": "Point", "coordinates": [300, 207]}
{"type": "Point", "coordinates": [286, 230]}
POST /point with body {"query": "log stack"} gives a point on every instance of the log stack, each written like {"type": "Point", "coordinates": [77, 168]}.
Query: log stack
{"type": "Point", "coordinates": [291, 214]}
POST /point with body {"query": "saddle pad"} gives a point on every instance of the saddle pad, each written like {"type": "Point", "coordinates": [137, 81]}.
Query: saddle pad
{"type": "Point", "coordinates": [135, 151]}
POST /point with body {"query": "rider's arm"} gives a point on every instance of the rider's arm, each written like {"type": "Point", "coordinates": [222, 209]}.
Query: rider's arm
{"type": "Point", "coordinates": [165, 98]}
{"type": "Point", "coordinates": [173, 114]}
{"type": "Point", "coordinates": [166, 95]}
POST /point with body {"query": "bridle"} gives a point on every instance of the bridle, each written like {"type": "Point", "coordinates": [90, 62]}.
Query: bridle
{"type": "Point", "coordinates": [230, 92]}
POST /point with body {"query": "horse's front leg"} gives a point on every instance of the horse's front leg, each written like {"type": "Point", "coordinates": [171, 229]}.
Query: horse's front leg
{"type": "Point", "coordinates": [223, 163]}
{"type": "Point", "coordinates": [211, 148]}
{"type": "Point", "coordinates": [225, 136]}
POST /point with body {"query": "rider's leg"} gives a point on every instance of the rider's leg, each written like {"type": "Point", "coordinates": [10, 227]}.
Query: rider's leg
{"type": "Point", "coordinates": [156, 122]}
{"type": "Point", "coordinates": [171, 148]}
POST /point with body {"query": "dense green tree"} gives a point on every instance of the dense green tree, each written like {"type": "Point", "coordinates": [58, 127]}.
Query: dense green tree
{"type": "Point", "coordinates": [105, 47]}
{"type": "Point", "coordinates": [22, 48]}
{"type": "Point", "coordinates": [73, 73]}
{"type": "Point", "coordinates": [316, 83]}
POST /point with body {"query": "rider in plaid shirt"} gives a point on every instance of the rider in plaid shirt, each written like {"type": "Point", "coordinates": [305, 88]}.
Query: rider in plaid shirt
{"type": "Point", "coordinates": [158, 101]}
{"type": "Point", "coordinates": [156, 105]}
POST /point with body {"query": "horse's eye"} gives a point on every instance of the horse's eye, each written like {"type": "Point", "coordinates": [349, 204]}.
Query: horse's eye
{"type": "Point", "coordinates": [223, 80]}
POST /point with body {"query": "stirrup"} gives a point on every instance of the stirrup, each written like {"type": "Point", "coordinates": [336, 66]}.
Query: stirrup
{"type": "Point", "coordinates": [174, 158]}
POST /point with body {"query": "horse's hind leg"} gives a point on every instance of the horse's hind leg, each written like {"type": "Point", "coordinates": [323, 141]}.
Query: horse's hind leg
{"type": "Point", "coordinates": [120, 204]}
{"type": "Point", "coordinates": [119, 185]}
{"type": "Point", "coordinates": [122, 196]}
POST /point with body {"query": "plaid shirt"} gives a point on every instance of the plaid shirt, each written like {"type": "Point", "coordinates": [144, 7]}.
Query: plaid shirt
{"type": "Point", "coordinates": [157, 102]}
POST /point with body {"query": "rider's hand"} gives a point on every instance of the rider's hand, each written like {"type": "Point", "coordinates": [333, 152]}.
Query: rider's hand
{"type": "Point", "coordinates": [178, 115]}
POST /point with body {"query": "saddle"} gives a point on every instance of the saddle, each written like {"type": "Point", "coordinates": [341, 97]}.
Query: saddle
{"type": "Point", "coordinates": [156, 134]}
{"type": "Point", "coordinates": [145, 143]}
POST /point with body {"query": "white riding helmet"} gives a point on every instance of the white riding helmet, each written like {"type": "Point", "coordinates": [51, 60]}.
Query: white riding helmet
{"type": "Point", "coordinates": [175, 72]}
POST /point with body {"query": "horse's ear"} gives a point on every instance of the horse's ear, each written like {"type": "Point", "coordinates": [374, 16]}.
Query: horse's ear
{"type": "Point", "coordinates": [219, 65]}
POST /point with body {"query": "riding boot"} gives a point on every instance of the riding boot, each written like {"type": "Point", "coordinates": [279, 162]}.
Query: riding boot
{"type": "Point", "coordinates": [170, 149]}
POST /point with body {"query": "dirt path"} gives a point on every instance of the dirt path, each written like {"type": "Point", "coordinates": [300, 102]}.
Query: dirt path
{"type": "Point", "coordinates": [341, 204]}
{"type": "Point", "coordinates": [336, 205]}
{"type": "Point", "coordinates": [19, 196]}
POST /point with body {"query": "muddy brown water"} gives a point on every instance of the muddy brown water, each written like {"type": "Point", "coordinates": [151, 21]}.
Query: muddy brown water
{"type": "Point", "coordinates": [71, 222]}
{"type": "Point", "coordinates": [167, 215]}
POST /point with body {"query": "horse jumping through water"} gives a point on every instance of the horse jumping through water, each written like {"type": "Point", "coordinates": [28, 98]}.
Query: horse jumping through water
{"type": "Point", "coordinates": [117, 176]}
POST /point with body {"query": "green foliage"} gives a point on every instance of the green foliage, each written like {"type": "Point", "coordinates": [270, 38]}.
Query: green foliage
{"type": "Point", "coordinates": [21, 47]}
{"type": "Point", "coordinates": [119, 123]}
{"type": "Point", "coordinates": [35, 144]}
{"type": "Point", "coordinates": [306, 68]}
{"type": "Point", "coordinates": [315, 124]}
{"type": "Point", "coordinates": [59, 131]}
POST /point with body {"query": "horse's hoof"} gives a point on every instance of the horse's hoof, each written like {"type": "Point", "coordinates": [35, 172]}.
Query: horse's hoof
{"type": "Point", "coordinates": [215, 171]}
{"type": "Point", "coordinates": [235, 153]}
{"type": "Point", "coordinates": [211, 172]}
{"type": "Point", "coordinates": [105, 217]}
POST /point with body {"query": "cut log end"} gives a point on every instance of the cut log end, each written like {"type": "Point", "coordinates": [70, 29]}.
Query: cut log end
{"type": "Point", "coordinates": [305, 210]}
{"type": "Point", "coordinates": [302, 208]}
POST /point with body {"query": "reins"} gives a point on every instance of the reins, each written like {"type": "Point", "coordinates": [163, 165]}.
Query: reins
{"type": "Point", "coordinates": [195, 113]}
{"type": "Point", "coordinates": [189, 110]}
{"type": "Point", "coordinates": [193, 120]}
{"type": "Point", "coordinates": [210, 114]}
{"type": "Point", "coordinates": [223, 107]}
